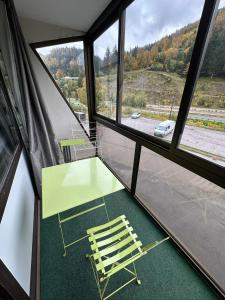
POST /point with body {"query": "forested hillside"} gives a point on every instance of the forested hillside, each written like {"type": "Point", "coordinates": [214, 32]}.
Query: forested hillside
{"type": "Point", "coordinates": [154, 74]}
{"type": "Point", "coordinates": [172, 53]}
{"type": "Point", "coordinates": [65, 61]}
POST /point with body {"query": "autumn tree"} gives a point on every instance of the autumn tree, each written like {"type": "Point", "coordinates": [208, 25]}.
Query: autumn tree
{"type": "Point", "coordinates": [59, 74]}
{"type": "Point", "coordinates": [82, 93]}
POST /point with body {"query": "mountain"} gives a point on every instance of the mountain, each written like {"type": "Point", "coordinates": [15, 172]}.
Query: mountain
{"type": "Point", "coordinates": [172, 53]}
{"type": "Point", "coordinates": [66, 61]}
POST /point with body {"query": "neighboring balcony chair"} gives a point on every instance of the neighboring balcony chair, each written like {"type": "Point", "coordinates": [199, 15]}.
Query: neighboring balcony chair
{"type": "Point", "coordinates": [81, 145]}
{"type": "Point", "coordinates": [66, 144]}
{"type": "Point", "coordinates": [94, 142]}
{"type": "Point", "coordinates": [114, 246]}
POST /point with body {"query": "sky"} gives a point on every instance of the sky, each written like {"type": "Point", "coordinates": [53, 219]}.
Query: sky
{"type": "Point", "coordinates": [46, 50]}
{"type": "Point", "coordinates": [148, 21]}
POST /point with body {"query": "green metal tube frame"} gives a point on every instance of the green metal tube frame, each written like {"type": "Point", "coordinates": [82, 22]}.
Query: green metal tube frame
{"type": "Point", "coordinates": [62, 221]}
{"type": "Point", "coordinates": [102, 277]}
{"type": "Point", "coordinates": [99, 281]}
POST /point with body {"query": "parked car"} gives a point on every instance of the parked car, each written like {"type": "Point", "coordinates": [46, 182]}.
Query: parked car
{"type": "Point", "coordinates": [164, 128]}
{"type": "Point", "coordinates": [80, 115]}
{"type": "Point", "coordinates": [135, 115]}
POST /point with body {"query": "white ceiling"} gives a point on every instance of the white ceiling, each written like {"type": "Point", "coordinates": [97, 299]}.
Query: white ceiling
{"type": "Point", "coordinates": [74, 14]}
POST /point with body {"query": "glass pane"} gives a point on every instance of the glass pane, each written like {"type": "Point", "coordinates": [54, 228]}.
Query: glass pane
{"type": "Point", "coordinates": [191, 207]}
{"type": "Point", "coordinates": [8, 137]}
{"type": "Point", "coordinates": [66, 64]}
{"type": "Point", "coordinates": [117, 151]}
{"type": "Point", "coordinates": [105, 67]}
{"type": "Point", "coordinates": [11, 89]}
{"type": "Point", "coordinates": [159, 38]}
{"type": "Point", "coordinates": [204, 133]}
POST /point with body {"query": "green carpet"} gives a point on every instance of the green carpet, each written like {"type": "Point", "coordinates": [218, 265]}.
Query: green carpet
{"type": "Point", "coordinates": [164, 272]}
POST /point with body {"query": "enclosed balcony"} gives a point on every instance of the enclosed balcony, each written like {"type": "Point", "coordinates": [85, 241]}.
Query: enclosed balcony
{"type": "Point", "coordinates": [112, 140]}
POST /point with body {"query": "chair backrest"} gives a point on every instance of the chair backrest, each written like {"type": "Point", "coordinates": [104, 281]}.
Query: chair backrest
{"type": "Point", "coordinates": [116, 236]}
{"type": "Point", "coordinates": [65, 145]}
{"type": "Point", "coordinates": [93, 146]}
{"type": "Point", "coordinates": [71, 142]}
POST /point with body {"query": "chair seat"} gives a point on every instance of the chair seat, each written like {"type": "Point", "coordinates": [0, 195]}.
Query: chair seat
{"type": "Point", "coordinates": [114, 246]}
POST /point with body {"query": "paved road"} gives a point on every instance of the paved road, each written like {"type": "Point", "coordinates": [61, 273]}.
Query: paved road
{"type": "Point", "coordinates": [211, 141]}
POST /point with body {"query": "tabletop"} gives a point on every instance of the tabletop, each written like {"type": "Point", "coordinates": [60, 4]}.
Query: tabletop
{"type": "Point", "coordinates": [72, 184]}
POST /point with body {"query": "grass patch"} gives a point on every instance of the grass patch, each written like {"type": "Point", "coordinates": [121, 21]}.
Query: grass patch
{"type": "Point", "coordinates": [165, 88]}
{"type": "Point", "coordinates": [216, 125]}
{"type": "Point", "coordinates": [156, 116]}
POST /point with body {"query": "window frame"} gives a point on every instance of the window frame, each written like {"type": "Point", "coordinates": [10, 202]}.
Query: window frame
{"type": "Point", "coordinates": [215, 173]}
{"type": "Point", "coordinates": [61, 41]}
{"type": "Point", "coordinates": [7, 180]}
{"type": "Point", "coordinates": [118, 75]}
{"type": "Point", "coordinates": [198, 165]}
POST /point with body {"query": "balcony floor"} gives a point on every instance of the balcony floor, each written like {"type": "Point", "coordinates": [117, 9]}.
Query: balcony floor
{"type": "Point", "coordinates": [164, 272]}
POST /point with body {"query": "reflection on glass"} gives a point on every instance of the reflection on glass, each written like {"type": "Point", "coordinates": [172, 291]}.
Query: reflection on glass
{"type": "Point", "coordinates": [191, 207]}
{"type": "Point", "coordinates": [66, 64]}
{"type": "Point", "coordinates": [117, 151]}
{"type": "Point", "coordinates": [105, 66]}
{"type": "Point", "coordinates": [8, 133]}
{"type": "Point", "coordinates": [159, 39]}
{"type": "Point", "coordinates": [204, 133]}
{"type": "Point", "coordinates": [11, 89]}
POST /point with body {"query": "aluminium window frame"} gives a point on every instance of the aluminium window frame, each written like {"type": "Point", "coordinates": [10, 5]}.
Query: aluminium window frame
{"type": "Point", "coordinates": [204, 168]}
{"type": "Point", "coordinates": [61, 41]}
{"type": "Point", "coordinates": [11, 169]}
{"type": "Point", "coordinates": [9, 286]}
{"type": "Point", "coordinates": [209, 170]}
{"type": "Point", "coordinates": [8, 179]}
{"type": "Point", "coordinates": [121, 37]}
{"type": "Point", "coordinates": [200, 166]}
{"type": "Point", "coordinates": [175, 242]}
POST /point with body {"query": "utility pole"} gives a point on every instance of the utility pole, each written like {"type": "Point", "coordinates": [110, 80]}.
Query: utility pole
{"type": "Point", "coordinates": [171, 109]}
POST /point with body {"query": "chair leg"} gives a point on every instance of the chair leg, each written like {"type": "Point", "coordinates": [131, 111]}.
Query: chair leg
{"type": "Point", "coordinates": [138, 281]}
{"type": "Point", "coordinates": [102, 284]}
{"type": "Point", "coordinates": [61, 230]}
{"type": "Point", "coordinates": [106, 211]}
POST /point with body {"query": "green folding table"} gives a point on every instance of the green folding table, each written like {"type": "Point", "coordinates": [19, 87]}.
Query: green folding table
{"type": "Point", "coordinates": [73, 184]}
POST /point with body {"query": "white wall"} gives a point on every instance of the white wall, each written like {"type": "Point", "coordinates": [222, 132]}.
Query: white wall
{"type": "Point", "coordinates": [60, 115]}
{"type": "Point", "coordinates": [16, 227]}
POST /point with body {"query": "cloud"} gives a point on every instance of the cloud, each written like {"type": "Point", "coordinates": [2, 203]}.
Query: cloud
{"type": "Point", "coordinates": [148, 21]}
{"type": "Point", "coordinates": [222, 4]}
{"type": "Point", "coordinates": [108, 39]}
{"type": "Point", "coordinates": [46, 50]}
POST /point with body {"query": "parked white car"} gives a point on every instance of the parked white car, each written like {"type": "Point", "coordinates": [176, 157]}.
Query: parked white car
{"type": "Point", "coordinates": [135, 115]}
{"type": "Point", "coordinates": [164, 128]}
{"type": "Point", "coordinates": [80, 115]}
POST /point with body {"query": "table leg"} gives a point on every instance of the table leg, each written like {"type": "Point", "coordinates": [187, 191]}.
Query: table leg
{"type": "Point", "coordinates": [61, 230]}
{"type": "Point", "coordinates": [103, 198]}
{"type": "Point", "coordinates": [61, 221]}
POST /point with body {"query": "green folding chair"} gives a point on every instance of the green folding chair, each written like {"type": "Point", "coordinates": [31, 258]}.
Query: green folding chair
{"type": "Point", "coordinates": [67, 143]}
{"type": "Point", "coordinates": [115, 246]}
